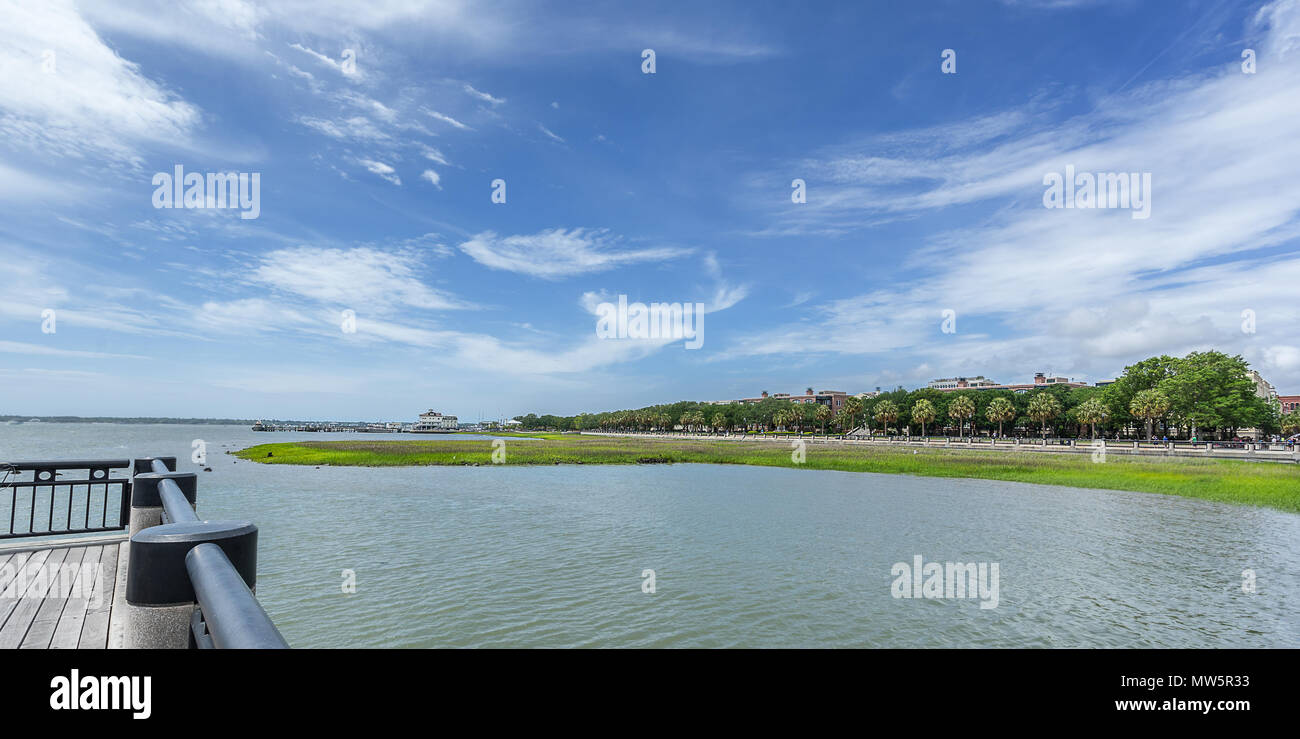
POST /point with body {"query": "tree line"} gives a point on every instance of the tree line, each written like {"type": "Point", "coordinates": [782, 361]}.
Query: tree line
{"type": "Point", "coordinates": [1197, 396]}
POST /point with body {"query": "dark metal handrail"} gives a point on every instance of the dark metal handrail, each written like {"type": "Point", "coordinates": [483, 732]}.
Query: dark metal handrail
{"type": "Point", "coordinates": [229, 613]}
{"type": "Point", "coordinates": [179, 559]}
{"type": "Point", "coordinates": [175, 505]}
{"type": "Point", "coordinates": [65, 503]}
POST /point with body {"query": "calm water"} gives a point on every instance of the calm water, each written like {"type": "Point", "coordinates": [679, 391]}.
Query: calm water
{"type": "Point", "coordinates": [743, 556]}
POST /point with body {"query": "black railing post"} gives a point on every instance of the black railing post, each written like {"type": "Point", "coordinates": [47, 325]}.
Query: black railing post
{"type": "Point", "coordinates": [160, 596]}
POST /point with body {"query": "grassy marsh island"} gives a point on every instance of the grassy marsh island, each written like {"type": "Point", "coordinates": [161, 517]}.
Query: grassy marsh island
{"type": "Point", "coordinates": [1265, 484]}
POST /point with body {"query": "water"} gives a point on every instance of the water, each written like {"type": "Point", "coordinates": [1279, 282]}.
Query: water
{"type": "Point", "coordinates": [743, 556]}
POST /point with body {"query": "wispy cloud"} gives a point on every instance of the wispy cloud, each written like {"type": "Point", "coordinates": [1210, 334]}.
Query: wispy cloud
{"type": "Point", "coordinates": [550, 134]}
{"type": "Point", "coordinates": [356, 278]}
{"type": "Point", "coordinates": [385, 171]}
{"type": "Point", "coordinates": [558, 253]}
{"type": "Point", "coordinates": [485, 97]}
{"type": "Point", "coordinates": [65, 92]}
{"type": "Point", "coordinates": [447, 119]}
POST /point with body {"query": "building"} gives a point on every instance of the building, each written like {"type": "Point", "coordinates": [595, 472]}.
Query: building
{"type": "Point", "coordinates": [1263, 388]}
{"type": "Point", "coordinates": [959, 383]}
{"type": "Point", "coordinates": [980, 382]}
{"type": "Point", "coordinates": [833, 399]}
{"type": "Point", "coordinates": [1289, 403]}
{"type": "Point", "coordinates": [431, 420]}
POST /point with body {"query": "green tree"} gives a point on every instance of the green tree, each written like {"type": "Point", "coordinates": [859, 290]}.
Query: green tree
{"type": "Point", "coordinates": [923, 412]}
{"type": "Point", "coordinates": [1144, 375]}
{"type": "Point", "coordinates": [1092, 412]}
{"type": "Point", "coordinates": [999, 411]}
{"type": "Point", "coordinates": [1149, 405]}
{"type": "Point", "coordinates": [823, 415]}
{"type": "Point", "coordinates": [1211, 390]}
{"type": "Point", "coordinates": [853, 406]}
{"type": "Point", "coordinates": [886, 413]}
{"type": "Point", "coordinates": [1291, 422]}
{"type": "Point", "coordinates": [960, 409]}
{"type": "Point", "coordinates": [1043, 407]}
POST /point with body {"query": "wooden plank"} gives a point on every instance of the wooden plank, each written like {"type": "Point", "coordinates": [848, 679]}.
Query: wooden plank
{"type": "Point", "coordinates": [94, 630]}
{"type": "Point", "coordinates": [56, 600]}
{"type": "Point", "coordinates": [8, 559]}
{"type": "Point", "coordinates": [10, 601]}
{"type": "Point", "coordinates": [20, 620]}
{"type": "Point", "coordinates": [67, 632]}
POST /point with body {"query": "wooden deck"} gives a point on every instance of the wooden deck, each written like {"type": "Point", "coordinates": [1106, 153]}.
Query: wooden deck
{"type": "Point", "coordinates": [59, 597]}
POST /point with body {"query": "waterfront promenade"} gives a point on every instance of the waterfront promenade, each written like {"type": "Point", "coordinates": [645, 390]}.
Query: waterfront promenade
{"type": "Point", "coordinates": [91, 560]}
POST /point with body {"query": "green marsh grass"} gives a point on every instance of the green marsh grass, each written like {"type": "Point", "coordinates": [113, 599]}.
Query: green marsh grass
{"type": "Point", "coordinates": [1268, 484]}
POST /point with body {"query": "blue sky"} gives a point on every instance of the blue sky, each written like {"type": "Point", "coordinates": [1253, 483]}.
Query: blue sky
{"type": "Point", "coordinates": [924, 194]}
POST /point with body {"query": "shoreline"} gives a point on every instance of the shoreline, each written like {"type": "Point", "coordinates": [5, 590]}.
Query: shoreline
{"type": "Point", "coordinates": [1235, 481]}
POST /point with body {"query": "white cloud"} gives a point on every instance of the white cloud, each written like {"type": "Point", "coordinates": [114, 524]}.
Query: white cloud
{"type": "Point", "coordinates": [434, 155]}
{"type": "Point", "coordinates": [17, 347]}
{"type": "Point", "coordinates": [550, 134]}
{"type": "Point", "coordinates": [485, 97]}
{"type": "Point", "coordinates": [356, 127]}
{"type": "Point", "coordinates": [64, 91]}
{"type": "Point", "coordinates": [361, 278]}
{"type": "Point", "coordinates": [432, 177]}
{"type": "Point", "coordinates": [383, 170]}
{"type": "Point", "coordinates": [557, 253]}
{"type": "Point", "coordinates": [447, 119]}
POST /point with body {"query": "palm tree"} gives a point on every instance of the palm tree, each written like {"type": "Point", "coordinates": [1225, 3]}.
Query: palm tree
{"type": "Point", "coordinates": [797, 416]}
{"type": "Point", "coordinates": [1092, 412]}
{"type": "Point", "coordinates": [719, 421]}
{"type": "Point", "coordinates": [1291, 422]}
{"type": "Point", "coordinates": [780, 417]}
{"type": "Point", "coordinates": [853, 406]}
{"type": "Point", "coordinates": [1042, 408]}
{"type": "Point", "coordinates": [1149, 405]}
{"type": "Point", "coordinates": [842, 419]}
{"type": "Point", "coordinates": [960, 409]}
{"type": "Point", "coordinates": [823, 415]}
{"type": "Point", "coordinates": [886, 413]}
{"type": "Point", "coordinates": [999, 411]}
{"type": "Point", "coordinates": [923, 412]}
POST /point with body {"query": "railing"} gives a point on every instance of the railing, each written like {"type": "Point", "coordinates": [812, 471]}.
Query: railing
{"type": "Point", "coordinates": [226, 614]}
{"type": "Point", "coordinates": [190, 583]}
{"type": "Point", "coordinates": [48, 505]}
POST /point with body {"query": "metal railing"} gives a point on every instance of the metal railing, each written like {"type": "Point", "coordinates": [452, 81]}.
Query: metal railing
{"type": "Point", "coordinates": [226, 614]}
{"type": "Point", "coordinates": [91, 500]}
{"type": "Point", "coordinates": [190, 582]}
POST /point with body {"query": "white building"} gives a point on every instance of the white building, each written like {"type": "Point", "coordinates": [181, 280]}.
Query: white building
{"type": "Point", "coordinates": [431, 420]}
